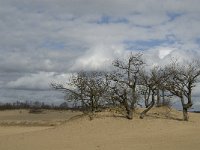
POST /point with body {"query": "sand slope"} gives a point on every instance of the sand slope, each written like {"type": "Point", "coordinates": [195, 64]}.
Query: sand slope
{"type": "Point", "coordinates": [108, 133]}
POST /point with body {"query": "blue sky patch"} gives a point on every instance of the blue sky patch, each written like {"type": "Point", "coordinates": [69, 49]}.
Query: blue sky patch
{"type": "Point", "coordinates": [198, 41]}
{"type": "Point", "coordinates": [143, 45]}
{"type": "Point", "coordinates": [173, 16]}
{"type": "Point", "coordinates": [108, 19]}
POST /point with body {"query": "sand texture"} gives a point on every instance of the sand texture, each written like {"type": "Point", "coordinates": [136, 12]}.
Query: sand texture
{"type": "Point", "coordinates": [107, 131]}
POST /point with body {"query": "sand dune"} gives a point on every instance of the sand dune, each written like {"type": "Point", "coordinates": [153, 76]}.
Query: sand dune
{"type": "Point", "coordinates": [157, 131]}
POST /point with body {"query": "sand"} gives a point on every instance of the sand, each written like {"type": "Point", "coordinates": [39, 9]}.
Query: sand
{"type": "Point", "coordinates": [157, 131]}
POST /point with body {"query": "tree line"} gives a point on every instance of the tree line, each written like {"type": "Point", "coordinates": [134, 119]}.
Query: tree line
{"type": "Point", "coordinates": [131, 81]}
{"type": "Point", "coordinates": [36, 105]}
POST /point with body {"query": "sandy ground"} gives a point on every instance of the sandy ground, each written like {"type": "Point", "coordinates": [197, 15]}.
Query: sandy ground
{"type": "Point", "coordinates": [157, 131]}
{"type": "Point", "coordinates": [45, 118]}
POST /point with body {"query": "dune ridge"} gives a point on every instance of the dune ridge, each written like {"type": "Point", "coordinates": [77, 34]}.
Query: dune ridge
{"type": "Point", "coordinates": [108, 131]}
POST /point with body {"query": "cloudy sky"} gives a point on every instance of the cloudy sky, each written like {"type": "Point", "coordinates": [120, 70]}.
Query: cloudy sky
{"type": "Point", "coordinates": [45, 40]}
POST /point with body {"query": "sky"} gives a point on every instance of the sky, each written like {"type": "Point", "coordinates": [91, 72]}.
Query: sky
{"type": "Point", "coordinates": [46, 40]}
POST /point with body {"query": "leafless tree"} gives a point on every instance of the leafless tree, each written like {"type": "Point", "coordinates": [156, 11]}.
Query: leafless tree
{"type": "Point", "coordinates": [120, 94]}
{"type": "Point", "coordinates": [152, 82]}
{"type": "Point", "coordinates": [92, 90]}
{"type": "Point", "coordinates": [126, 79]}
{"type": "Point", "coordinates": [86, 88]}
{"type": "Point", "coordinates": [183, 78]}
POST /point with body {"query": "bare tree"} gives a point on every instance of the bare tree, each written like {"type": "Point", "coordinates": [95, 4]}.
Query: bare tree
{"type": "Point", "coordinates": [182, 81]}
{"type": "Point", "coordinates": [126, 79]}
{"type": "Point", "coordinates": [120, 94]}
{"type": "Point", "coordinates": [92, 90]}
{"type": "Point", "coordinates": [85, 88]}
{"type": "Point", "coordinates": [152, 82]}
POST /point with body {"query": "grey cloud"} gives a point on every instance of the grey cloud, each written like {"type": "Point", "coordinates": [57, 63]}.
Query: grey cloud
{"type": "Point", "coordinates": [99, 57]}
{"type": "Point", "coordinates": [32, 82]}
{"type": "Point", "coordinates": [106, 6]}
{"type": "Point", "coordinates": [67, 35]}
{"type": "Point", "coordinates": [163, 55]}
{"type": "Point", "coordinates": [39, 81]}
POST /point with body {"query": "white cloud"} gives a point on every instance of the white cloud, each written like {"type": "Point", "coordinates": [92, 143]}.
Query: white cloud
{"type": "Point", "coordinates": [164, 52]}
{"type": "Point", "coordinates": [40, 81]}
{"type": "Point", "coordinates": [99, 57]}
{"type": "Point", "coordinates": [66, 35]}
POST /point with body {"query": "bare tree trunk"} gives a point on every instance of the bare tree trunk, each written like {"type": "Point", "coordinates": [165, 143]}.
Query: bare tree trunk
{"type": "Point", "coordinates": [185, 114]}
{"type": "Point", "coordinates": [150, 106]}
{"type": "Point", "coordinates": [129, 110]}
{"type": "Point", "coordinates": [147, 103]}
{"type": "Point", "coordinates": [185, 108]}
{"type": "Point", "coordinates": [189, 104]}
{"type": "Point", "coordinates": [92, 103]}
{"type": "Point", "coordinates": [163, 97]}
{"type": "Point", "coordinates": [146, 97]}
{"type": "Point", "coordinates": [134, 96]}
{"type": "Point", "coordinates": [124, 102]}
{"type": "Point", "coordinates": [158, 98]}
